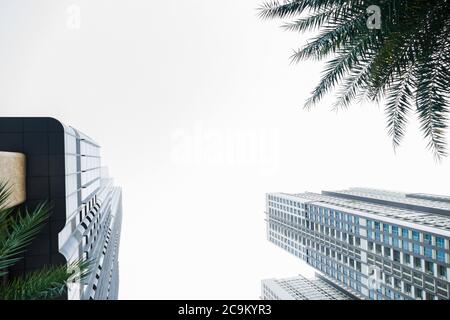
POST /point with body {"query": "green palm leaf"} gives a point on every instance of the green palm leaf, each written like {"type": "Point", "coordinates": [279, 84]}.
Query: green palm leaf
{"type": "Point", "coordinates": [44, 284]}
{"type": "Point", "coordinates": [406, 60]}
{"type": "Point", "coordinates": [20, 234]}
{"type": "Point", "coordinates": [17, 232]}
{"type": "Point", "coordinates": [398, 107]}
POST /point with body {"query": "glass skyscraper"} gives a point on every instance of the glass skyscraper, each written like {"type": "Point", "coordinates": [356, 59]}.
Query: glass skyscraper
{"type": "Point", "coordinates": [63, 166]}
{"type": "Point", "coordinates": [374, 244]}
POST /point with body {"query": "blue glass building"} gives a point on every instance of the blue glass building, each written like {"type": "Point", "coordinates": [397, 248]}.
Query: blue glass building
{"type": "Point", "coordinates": [373, 244]}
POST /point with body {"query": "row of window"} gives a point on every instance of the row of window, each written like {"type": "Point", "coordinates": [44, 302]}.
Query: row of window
{"type": "Point", "coordinates": [339, 272]}
{"type": "Point", "coordinates": [414, 235]}
{"type": "Point", "coordinates": [317, 213]}
{"type": "Point", "coordinates": [329, 228]}
{"type": "Point", "coordinates": [321, 262]}
{"type": "Point", "coordinates": [406, 259]}
{"type": "Point", "coordinates": [313, 249]}
{"type": "Point", "coordinates": [336, 218]}
{"type": "Point", "coordinates": [408, 246]}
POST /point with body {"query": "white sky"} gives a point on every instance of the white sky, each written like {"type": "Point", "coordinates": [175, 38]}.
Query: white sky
{"type": "Point", "coordinates": [175, 92]}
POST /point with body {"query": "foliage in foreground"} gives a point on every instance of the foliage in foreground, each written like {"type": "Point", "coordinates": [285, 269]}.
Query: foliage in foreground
{"type": "Point", "coordinates": [17, 231]}
{"type": "Point", "coordinates": [405, 59]}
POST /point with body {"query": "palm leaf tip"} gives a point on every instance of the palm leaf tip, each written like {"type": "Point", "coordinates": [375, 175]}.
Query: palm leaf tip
{"type": "Point", "coordinates": [281, 9]}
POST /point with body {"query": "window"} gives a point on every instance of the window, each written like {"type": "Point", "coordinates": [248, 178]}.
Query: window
{"type": "Point", "coordinates": [405, 233]}
{"type": "Point", "coordinates": [407, 288]}
{"type": "Point", "coordinates": [389, 293]}
{"type": "Point", "coordinates": [397, 284]}
{"type": "Point", "coordinates": [350, 239]}
{"type": "Point", "coordinates": [387, 252]}
{"type": "Point", "coordinates": [416, 249]}
{"type": "Point", "coordinates": [429, 267]}
{"type": "Point", "coordinates": [417, 262]}
{"type": "Point", "coordinates": [418, 293]}
{"type": "Point", "coordinates": [440, 242]}
{"type": "Point", "coordinates": [428, 252]}
{"type": "Point", "coordinates": [441, 256]}
{"type": "Point", "coordinates": [385, 227]}
{"type": "Point", "coordinates": [377, 225]}
{"type": "Point", "coordinates": [406, 258]}
{"type": "Point", "coordinates": [405, 245]}
{"type": "Point", "coordinates": [427, 239]}
{"type": "Point", "coordinates": [378, 248]}
{"type": "Point", "coordinates": [416, 235]}
{"type": "Point", "coordinates": [396, 256]}
{"type": "Point", "coordinates": [395, 242]}
{"type": "Point", "coordinates": [395, 230]}
{"type": "Point", "coordinates": [429, 296]}
{"type": "Point", "coordinates": [442, 271]}
{"type": "Point", "coordinates": [370, 244]}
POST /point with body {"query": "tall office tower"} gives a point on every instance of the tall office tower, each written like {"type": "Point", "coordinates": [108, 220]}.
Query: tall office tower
{"type": "Point", "coordinates": [63, 167]}
{"type": "Point", "coordinates": [301, 288]}
{"type": "Point", "coordinates": [373, 244]}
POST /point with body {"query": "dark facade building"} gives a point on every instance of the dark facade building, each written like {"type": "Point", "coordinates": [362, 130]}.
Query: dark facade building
{"type": "Point", "coordinates": [63, 167]}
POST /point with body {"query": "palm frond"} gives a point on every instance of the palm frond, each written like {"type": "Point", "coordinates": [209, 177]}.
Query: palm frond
{"type": "Point", "coordinates": [432, 107]}
{"type": "Point", "coordinates": [331, 40]}
{"type": "Point", "coordinates": [277, 9]}
{"type": "Point", "coordinates": [331, 15]}
{"type": "Point", "coordinates": [368, 64]}
{"type": "Point", "coordinates": [5, 193]}
{"type": "Point", "coordinates": [354, 82]}
{"type": "Point", "coordinates": [44, 284]}
{"type": "Point", "coordinates": [20, 233]}
{"type": "Point", "coordinates": [398, 107]}
{"type": "Point", "coordinates": [347, 61]}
